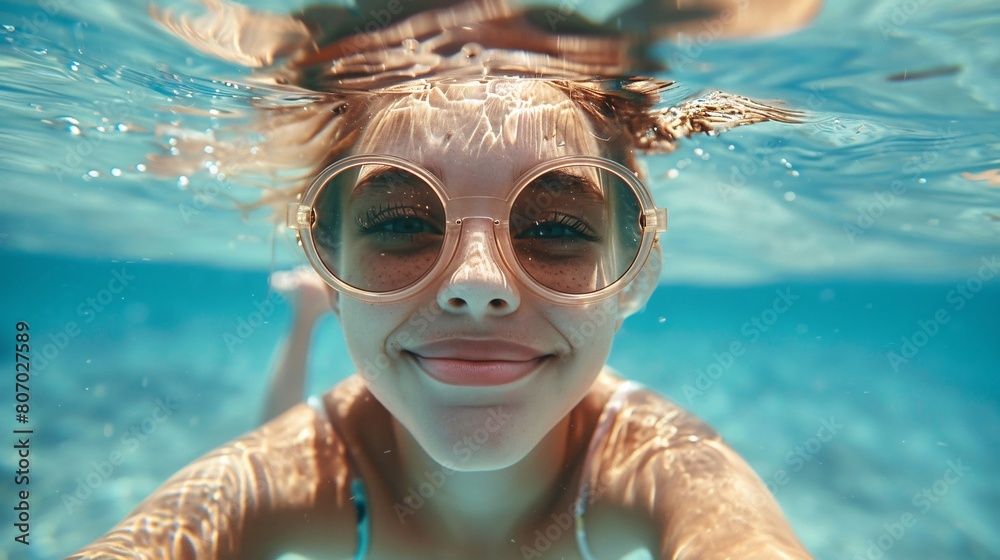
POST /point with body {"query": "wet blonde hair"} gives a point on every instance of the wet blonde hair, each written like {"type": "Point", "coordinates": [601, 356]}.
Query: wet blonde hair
{"type": "Point", "coordinates": [413, 80]}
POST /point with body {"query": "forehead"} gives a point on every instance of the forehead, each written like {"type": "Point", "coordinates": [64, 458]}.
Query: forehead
{"type": "Point", "coordinates": [481, 135]}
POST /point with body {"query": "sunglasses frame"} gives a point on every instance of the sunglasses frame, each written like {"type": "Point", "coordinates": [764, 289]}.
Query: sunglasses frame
{"type": "Point", "coordinates": [458, 210]}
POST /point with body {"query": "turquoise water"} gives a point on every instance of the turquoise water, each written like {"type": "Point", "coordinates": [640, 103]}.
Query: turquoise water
{"type": "Point", "coordinates": [830, 299]}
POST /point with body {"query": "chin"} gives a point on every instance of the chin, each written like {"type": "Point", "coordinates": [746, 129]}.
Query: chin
{"type": "Point", "coordinates": [481, 438]}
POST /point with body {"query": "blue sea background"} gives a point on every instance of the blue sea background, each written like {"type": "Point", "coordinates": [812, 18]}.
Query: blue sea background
{"type": "Point", "coordinates": [862, 219]}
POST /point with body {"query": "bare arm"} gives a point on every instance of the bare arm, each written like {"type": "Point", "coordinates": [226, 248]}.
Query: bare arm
{"type": "Point", "coordinates": [225, 504]}
{"type": "Point", "coordinates": [286, 385]}
{"type": "Point", "coordinates": [662, 464]}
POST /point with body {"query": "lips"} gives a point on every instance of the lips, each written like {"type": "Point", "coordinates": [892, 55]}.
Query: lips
{"type": "Point", "coordinates": [477, 363]}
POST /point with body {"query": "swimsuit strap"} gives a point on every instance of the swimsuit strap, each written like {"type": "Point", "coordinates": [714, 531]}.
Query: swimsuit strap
{"type": "Point", "coordinates": [604, 425]}
{"type": "Point", "coordinates": [364, 520]}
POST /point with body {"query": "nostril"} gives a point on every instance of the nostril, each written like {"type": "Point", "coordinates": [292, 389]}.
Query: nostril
{"type": "Point", "coordinates": [456, 302]}
{"type": "Point", "coordinates": [498, 304]}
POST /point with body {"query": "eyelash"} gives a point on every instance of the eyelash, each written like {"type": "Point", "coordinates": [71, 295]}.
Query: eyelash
{"type": "Point", "coordinates": [570, 222]}
{"type": "Point", "coordinates": [375, 218]}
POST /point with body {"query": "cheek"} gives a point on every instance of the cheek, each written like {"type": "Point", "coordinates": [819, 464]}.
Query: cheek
{"type": "Point", "coordinates": [366, 327]}
{"type": "Point", "coordinates": [589, 329]}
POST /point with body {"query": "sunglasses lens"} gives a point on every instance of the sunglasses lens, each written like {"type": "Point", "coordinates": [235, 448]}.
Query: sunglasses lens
{"type": "Point", "coordinates": [576, 229]}
{"type": "Point", "coordinates": [378, 228]}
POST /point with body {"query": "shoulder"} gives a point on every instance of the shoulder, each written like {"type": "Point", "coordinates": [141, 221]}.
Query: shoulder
{"type": "Point", "coordinates": [656, 462]}
{"type": "Point", "coordinates": [239, 500]}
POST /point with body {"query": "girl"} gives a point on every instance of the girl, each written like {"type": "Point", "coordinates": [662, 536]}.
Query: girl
{"type": "Point", "coordinates": [478, 215]}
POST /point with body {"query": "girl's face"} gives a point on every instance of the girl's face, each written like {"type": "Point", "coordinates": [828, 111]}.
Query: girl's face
{"type": "Point", "coordinates": [476, 367]}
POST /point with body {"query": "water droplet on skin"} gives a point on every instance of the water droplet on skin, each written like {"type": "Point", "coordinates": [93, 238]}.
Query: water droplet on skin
{"type": "Point", "coordinates": [410, 44]}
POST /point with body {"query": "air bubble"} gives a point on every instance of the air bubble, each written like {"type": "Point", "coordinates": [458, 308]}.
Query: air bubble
{"type": "Point", "coordinates": [121, 127]}
{"type": "Point", "coordinates": [471, 50]}
{"type": "Point", "coordinates": [140, 167]}
{"type": "Point", "coordinates": [789, 196]}
{"type": "Point", "coordinates": [673, 173]}
{"type": "Point", "coordinates": [183, 182]}
{"type": "Point", "coordinates": [94, 173]}
{"type": "Point", "coordinates": [115, 172]}
{"type": "Point", "coordinates": [922, 180]}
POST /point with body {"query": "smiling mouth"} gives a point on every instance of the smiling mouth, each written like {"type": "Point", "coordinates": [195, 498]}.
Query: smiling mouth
{"type": "Point", "coordinates": [477, 373]}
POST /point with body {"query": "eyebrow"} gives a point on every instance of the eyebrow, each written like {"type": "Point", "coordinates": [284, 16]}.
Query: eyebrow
{"type": "Point", "coordinates": [373, 174]}
{"type": "Point", "coordinates": [564, 177]}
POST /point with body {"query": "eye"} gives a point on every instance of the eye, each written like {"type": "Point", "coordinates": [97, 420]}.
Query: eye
{"type": "Point", "coordinates": [396, 220]}
{"type": "Point", "coordinates": [558, 225]}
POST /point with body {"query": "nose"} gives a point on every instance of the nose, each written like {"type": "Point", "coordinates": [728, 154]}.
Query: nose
{"type": "Point", "coordinates": [478, 285]}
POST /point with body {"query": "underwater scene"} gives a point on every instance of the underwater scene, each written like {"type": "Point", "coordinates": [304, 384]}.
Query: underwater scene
{"type": "Point", "coordinates": [829, 300]}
